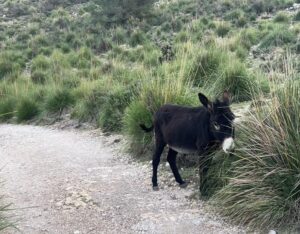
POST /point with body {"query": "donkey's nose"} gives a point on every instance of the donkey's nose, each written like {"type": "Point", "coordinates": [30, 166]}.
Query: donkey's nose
{"type": "Point", "coordinates": [228, 145]}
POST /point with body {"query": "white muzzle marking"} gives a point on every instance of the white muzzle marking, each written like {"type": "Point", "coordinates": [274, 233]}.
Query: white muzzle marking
{"type": "Point", "coordinates": [228, 144]}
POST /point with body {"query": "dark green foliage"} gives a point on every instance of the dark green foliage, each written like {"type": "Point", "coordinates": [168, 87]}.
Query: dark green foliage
{"type": "Point", "coordinates": [10, 62]}
{"type": "Point", "coordinates": [26, 109]}
{"type": "Point", "coordinates": [112, 112]}
{"type": "Point", "coordinates": [58, 99]}
{"type": "Point", "coordinates": [7, 107]}
{"type": "Point", "coordinates": [234, 77]}
{"type": "Point", "coordinates": [119, 11]}
{"type": "Point", "coordinates": [281, 18]}
{"type": "Point", "coordinates": [207, 64]}
{"type": "Point", "coordinates": [263, 188]}
{"type": "Point", "coordinates": [278, 37]}
{"type": "Point", "coordinates": [137, 38]}
{"type": "Point", "coordinates": [39, 77]}
{"type": "Point", "coordinates": [297, 16]}
{"type": "Point", "coordinates": [223, 29]}
{"type": "Point", "coordinates": [134, 114]}
{"type": "Point", "coordinates": [41, 62]}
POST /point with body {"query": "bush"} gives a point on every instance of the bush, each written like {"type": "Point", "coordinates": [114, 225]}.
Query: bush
{"type": "Point", "coordinates": [91, 97]}
{"type": "Point", "coordinates": [281, 17]}
{"type": "Point", "coordinates": [206, 64]}
{"type": "Point", "coordinates": [39, 77]}
{"type": "Point", "coordinates": [10, 63]}
{"type": "Point", "coordinates": [57, 99]}
{"type": "Point", "coordinates": [278, 37]}
{"type": "Point", "coordinates": [182, 36]}
{"type": "Point", "coordinates": [41, 62]}
{"type": "Point", "coordinates": [111, 114]}
{"type": "Point", "coordinates": [137, 38]}
{"type": "Point", "coordinates": [234, 77]}
{"type": "Point", "coordinates": [135, 114]}
{"type": "Point", "coordinates": [297, 16]}
{"type": "Point", "coordinates": [7, 107]}
{"type": "Point", "coordinates": [263, 190]}
{"type": "Point", "coordinates": [223, 29]}
{"type": "Point", "coordinates": [26, 109]}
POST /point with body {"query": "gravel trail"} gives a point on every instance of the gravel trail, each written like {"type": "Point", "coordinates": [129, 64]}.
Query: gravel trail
{"type": "Point", "coordinates": [70, 181]}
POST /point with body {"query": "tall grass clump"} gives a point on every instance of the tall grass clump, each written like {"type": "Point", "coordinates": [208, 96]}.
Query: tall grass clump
{"type": "Point", "coordinates": [57, 99]}
{"type": "Point", "coordinates": [278, 37]}
{"type": "Point", "coordinates": [263, 190]}
{"type": "Point", "coordinates": [237, 79]}
{"type": "Point", "coordinates": [170, 84]}
{"type": "Point", "coordinates": [217, 69]}
{"type": "Point", "coordinates": [7, 108]}
{"type": "Point", "coordinates": [26, 109]}
{"type": "Point", "coordinates": [111, 114]}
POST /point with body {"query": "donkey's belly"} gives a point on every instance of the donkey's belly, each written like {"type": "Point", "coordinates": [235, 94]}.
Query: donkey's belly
{"type": "Point", "coordinates": [183, 150]}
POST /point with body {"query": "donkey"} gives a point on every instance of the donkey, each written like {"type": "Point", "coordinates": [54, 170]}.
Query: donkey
{"type": "Point", "coordinates": [191, 130]}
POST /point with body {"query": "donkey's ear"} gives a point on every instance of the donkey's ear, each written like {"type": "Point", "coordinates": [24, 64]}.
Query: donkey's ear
{"type": "Point", "coordinates": [205, 102]}
{"type": "Point", "coordinates": [226, 97]}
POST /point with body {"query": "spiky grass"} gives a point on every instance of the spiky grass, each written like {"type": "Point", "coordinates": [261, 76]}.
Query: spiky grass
{"type": "Point", "coordinates": [263, 190]}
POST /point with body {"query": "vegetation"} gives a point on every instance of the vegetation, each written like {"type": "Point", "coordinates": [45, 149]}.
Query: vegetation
{"type": "Point", "coordinates": [115, 63]}
{"type": "Point", "coordinates": [263, 187]}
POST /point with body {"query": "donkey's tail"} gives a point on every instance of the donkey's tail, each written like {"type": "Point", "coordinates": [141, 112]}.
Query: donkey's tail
{"type": "Point", "coordinates": [145, 128]}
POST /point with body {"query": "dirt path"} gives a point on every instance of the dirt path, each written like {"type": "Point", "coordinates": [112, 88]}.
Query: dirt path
{"type": "Point", "coordinates": [78, 182]}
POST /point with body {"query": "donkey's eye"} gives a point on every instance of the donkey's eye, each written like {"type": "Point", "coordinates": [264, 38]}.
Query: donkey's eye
{"type": "Point", "coordinates": [216, 126]}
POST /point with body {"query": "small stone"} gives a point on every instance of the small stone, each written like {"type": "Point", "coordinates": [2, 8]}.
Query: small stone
{"type": "Point", "coordinates": [59, 204]}
{"type": "Point", "coordinates": [69, 201]}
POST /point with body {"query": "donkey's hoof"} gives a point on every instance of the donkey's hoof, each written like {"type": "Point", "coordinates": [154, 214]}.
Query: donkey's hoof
{"type": "Point", "coordinates": [155, 188]}
{"type": "Point", "coordinates": [184, 185]}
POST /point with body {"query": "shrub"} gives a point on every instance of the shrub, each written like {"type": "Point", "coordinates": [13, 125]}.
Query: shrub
{"type": "Point", "coordinates": [119, 35]}
{"type": "Point", "coordinates": [91, 97]}
{"type": "Point", "coordinates": [26, 109]}
{"type": "Point", "coordinates": [111, 114]}
{"type": "Point", "coordinates": [223, 29]}
{"type": "Point", "coordinates": [206, 64]}
{"type": "Point", "coordinates": [57, 99]}
{"type": "Point", "coordinates": [234, 77]}
{"type": "Point", "coordinates": [297, 16]}
{"type": "Point", "coordinates": [41, 62]}
{"type": "Point", "coordinates": [7, 107]}
{"type": "Point", "coordinates": [281, 17]}
{"type": "Point", "coordinates": [137, 38]}
{"type": "Point", "coordinates": [136, 113]}
{"type": "Point", "coordinates": [278, 37]}
{"type": "Point", "coordinates": [182, 36]}
{"type": "Point", "coordinates": [10, 62]}
{"type": "Point", "coordinates": [263, 190]}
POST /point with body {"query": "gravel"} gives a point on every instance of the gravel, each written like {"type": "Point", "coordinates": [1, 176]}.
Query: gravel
{"type": "Point", "coordinates": [72, 181]}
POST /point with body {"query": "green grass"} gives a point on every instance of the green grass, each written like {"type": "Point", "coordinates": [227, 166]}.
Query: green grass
{"type": "Point", "coordinates": [278, 37]}
{"type": "Point", "coordinates": [57, 99]}
{"type": "Point", "coordinates": [7, 108]}
{"type": "Point", "coordinates": [4, 222]}
{"type": "Point", "coordinates": [26, 109]}
{"type": "Point", "coordinates": [263, 189]}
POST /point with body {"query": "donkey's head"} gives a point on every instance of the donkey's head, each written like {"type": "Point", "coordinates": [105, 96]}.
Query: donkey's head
{"type": "Point", "coordinates": [220, 120]}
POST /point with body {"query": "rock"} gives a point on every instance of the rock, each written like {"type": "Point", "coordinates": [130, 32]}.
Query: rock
{"type": "Point", "coordinates": [69, 201]}
{"type": "Point", "coordinates": [59, 204]}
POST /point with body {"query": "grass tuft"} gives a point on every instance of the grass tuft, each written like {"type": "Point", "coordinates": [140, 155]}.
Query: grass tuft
{"type": "Point", "coordinates": [263, 190]}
